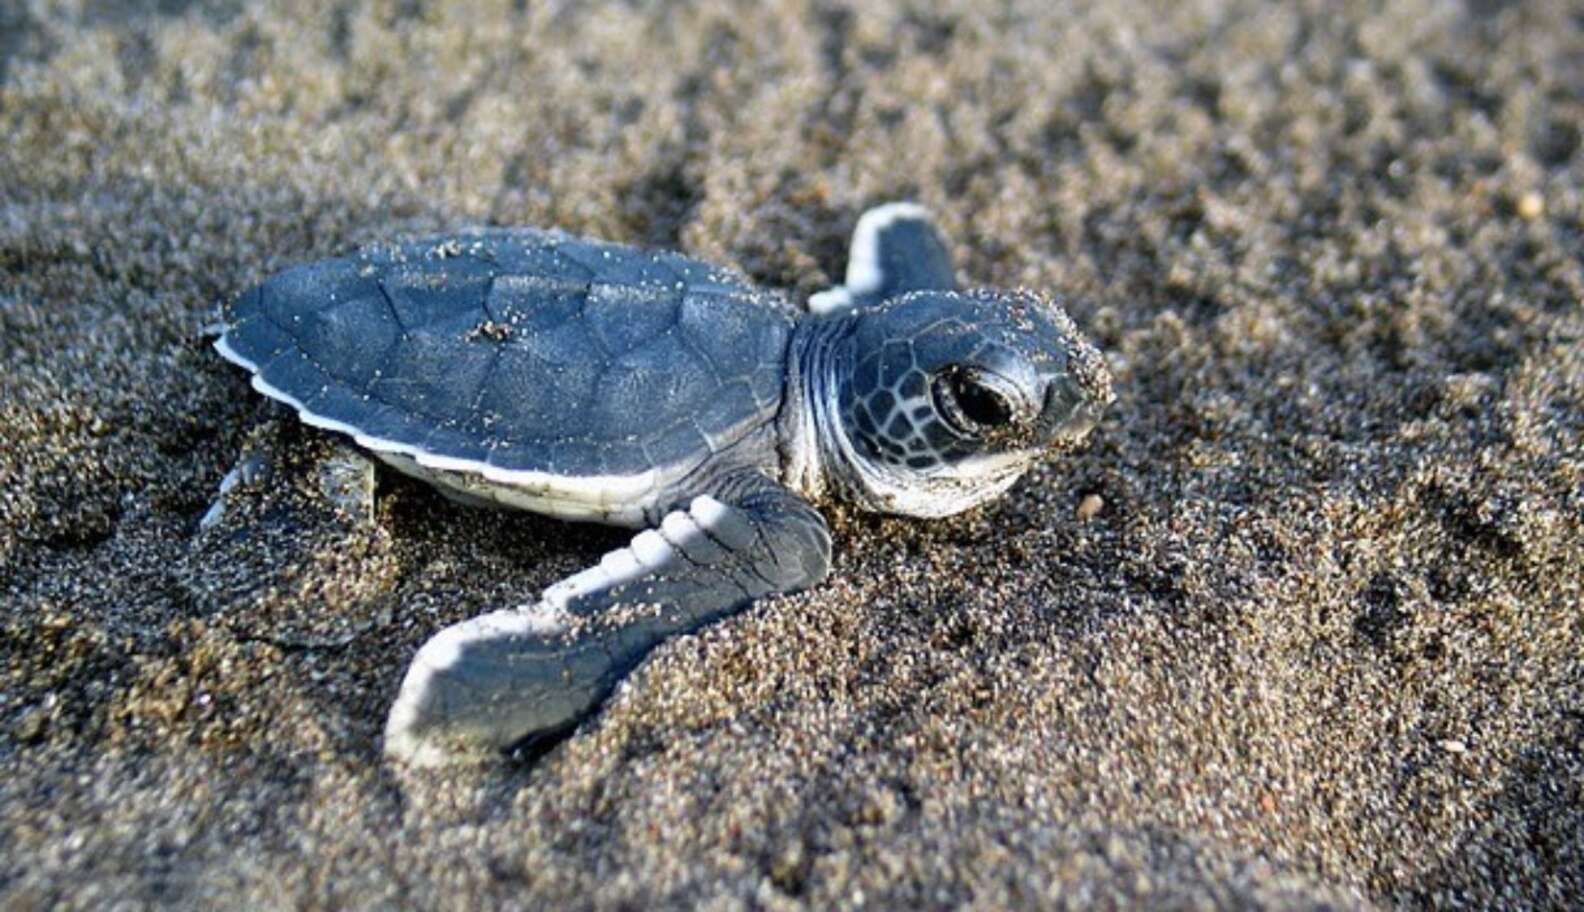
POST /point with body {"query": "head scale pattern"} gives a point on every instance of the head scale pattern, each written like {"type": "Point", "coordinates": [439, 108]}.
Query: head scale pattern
{"type": "Point", "coordinates": [951, 395]}
{"type": "Point", "coordinates": [893, 418]}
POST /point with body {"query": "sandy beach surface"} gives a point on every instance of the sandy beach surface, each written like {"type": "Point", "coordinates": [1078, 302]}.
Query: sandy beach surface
{"type": "Point", "coordinates": [1315, 639]}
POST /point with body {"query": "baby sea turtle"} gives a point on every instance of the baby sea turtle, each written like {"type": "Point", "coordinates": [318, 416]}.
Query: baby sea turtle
{"type": "Point", "coordinates": [596, 381]}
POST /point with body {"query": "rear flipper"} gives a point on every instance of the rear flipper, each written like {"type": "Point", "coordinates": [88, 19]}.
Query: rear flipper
{"type": "Point", "coordinates": [520, 676]}
{"type": "Point", "coordinates": [896, 248]}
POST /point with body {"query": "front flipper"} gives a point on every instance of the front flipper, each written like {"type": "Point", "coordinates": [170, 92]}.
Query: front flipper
{"type": "Point", "coordinates": [895, 248]}
{"type": "Point", "coordinates": [519, 676]}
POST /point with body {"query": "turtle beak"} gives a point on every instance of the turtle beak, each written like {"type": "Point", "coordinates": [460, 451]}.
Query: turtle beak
{"type": "Point", "coordinates": [1073, 404]}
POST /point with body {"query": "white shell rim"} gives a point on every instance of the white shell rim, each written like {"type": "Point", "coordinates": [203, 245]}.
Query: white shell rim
{"type": "Point", "coordinates": [606, 489]}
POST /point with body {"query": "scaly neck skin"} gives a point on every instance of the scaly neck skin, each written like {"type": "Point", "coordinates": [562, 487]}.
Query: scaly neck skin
{"type": "Point", "coordinates": [814, 450]}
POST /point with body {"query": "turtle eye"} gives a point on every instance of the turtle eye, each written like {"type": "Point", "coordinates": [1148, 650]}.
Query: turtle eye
{"type": "Point", "coordinates": [970, 406]}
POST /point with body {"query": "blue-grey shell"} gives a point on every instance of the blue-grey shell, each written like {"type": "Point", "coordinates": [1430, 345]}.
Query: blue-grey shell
{"type": "Point", "coordinates": [523, 350]}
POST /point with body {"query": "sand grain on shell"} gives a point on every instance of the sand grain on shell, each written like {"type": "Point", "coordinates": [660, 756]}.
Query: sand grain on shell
{"type": "Point", "coordinates": [1319, 643]}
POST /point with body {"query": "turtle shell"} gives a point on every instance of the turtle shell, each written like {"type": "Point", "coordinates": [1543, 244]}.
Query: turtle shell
{"type": "Point", "coordinates": [560, 366]}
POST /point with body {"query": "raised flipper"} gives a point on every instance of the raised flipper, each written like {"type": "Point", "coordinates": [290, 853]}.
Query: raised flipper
{"type": "Point", "coordinates": [519, 676]}
{"type": "Point", "coordinates": [895, 248]}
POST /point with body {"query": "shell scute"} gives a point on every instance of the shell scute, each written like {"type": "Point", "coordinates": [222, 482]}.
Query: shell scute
{"type": "Point", "coordinates": [522, 355]}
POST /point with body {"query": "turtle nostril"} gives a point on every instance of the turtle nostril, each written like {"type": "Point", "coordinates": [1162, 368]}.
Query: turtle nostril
{"type": "Point", "coordinates": [1051, 395]}
{"type": "Point", "coordinates": [1054, 409]}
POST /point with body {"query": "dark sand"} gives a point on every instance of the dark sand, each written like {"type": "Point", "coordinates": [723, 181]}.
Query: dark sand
{"type": "Point", "coordinates": [1323, 644]}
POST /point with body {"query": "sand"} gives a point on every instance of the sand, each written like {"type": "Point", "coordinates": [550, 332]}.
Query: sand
{"type": "Point", "coordinates": [1302, 627]}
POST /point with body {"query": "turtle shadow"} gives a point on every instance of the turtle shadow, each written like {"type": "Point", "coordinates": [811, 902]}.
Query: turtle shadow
{"type": "Point", "coordinates": [348, 591]}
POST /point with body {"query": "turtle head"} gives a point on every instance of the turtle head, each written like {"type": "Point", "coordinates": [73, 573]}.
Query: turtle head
{"type": "Point", "coordinates": [952, 395]}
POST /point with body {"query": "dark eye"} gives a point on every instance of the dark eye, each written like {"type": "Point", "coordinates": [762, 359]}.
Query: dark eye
{"type": "Point", "coordinates": [969, 406]}
{"type": "Point", "coordinates": [981, 404]}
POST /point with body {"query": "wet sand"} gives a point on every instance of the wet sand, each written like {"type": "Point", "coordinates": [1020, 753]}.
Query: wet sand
{"type": "Point", "coordinates": [1321, 644]}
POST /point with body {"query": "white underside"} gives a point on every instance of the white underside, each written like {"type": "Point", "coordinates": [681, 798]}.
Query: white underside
{"type": "Point", "coordinates": [944, 490]}
{"type": "Point", "coordinates": [614, 499]}
{"type": "Point", "coordinates": [472, 488]}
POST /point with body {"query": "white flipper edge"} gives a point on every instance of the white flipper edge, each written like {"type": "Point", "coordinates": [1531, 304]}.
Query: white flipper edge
{"type": "Point", "coordinates": [863, 256]}
{"type": "Point", "coordinates": [650, 550]}
{"type": "Point", "coordinates": [416, 735]}
{"type": "Point", "coordinates": [408, 736]}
